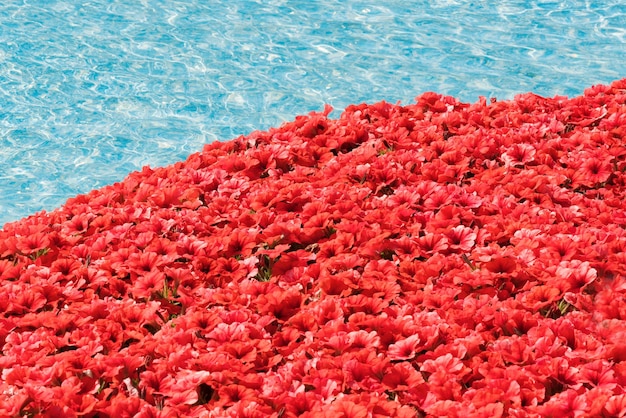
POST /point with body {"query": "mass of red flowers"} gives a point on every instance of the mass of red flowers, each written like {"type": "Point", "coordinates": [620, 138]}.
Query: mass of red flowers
{"type": "Point", "coordinates": [439, 259]}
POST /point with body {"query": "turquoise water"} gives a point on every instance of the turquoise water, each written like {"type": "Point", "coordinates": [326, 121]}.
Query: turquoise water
{"type": "Point", "coordinates": [92, 90]}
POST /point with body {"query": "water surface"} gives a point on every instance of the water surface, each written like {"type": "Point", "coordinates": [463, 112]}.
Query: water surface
{"type": "Point", "coordinates": [91, 90]}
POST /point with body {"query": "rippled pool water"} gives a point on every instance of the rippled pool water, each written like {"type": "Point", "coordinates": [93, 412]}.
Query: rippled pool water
{"type": "Point", "coordinates": [92, 90]}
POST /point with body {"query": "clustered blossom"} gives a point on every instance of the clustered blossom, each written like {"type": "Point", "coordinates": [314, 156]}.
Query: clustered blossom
{"type": "Point", "coordinates": [435, 259]}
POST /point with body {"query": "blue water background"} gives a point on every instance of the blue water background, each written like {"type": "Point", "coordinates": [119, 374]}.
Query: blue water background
{"type": "Point", "coordinates": [91, 90]}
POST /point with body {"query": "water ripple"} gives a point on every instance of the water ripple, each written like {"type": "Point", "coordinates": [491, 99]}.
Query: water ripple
{"type": "Point", "coordinates": [94, 89]}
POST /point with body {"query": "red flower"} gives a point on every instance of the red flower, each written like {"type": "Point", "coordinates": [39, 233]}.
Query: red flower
{"type": "Point", "coordinates": [439, 197]}
{"type": "Point", "coordinates": [124, 407]}
{"type": "Point", "coordinates": [541, 296]}
{"type": "Point", "coordinates": [149, 283]}
{"type": "Point", "coordinates": [503, 391]}
{"type": "Point", "coordinates": [31, 300]}
{"type": "Point", "coordinates": [561, 247]}
{"type": "Point", "coordinates": [283, 304]}
{"type": "Point", "coordinates": [402, 377]}
{"type": "Point", "coordinates": [431, 243]}
{"type": "Point", "coordinates": [461, 238]}
{"type": "Point", "coordinates": [438, 258]}
{"type": "Point", "coordinates": [446, 365]}
{"type": "Point", "coordinates": [407, 246]}
{"type": "Point", "coordinates": [445, 408]}
{"type": "Point", "coordinates": [228, 332]}
{"type": "Point", "coordinates": [363, 339]}
{"type": "Point", "coordinates": [241, 242]}
{"type": "Point", "coordinates": [291, 260]}
{"type": "Point", "coordinates": [66, 267]}
{"type": "Point", "coordinates": [360, 375]}
{"type": "Point", "coordinates": [347, 409]}
{"type": "Point", "coordinates": [598, 373]}
{"type": "Point", "coordinates": [12, 401]}
{"type": "Point", "coordinates": [574, 275]}
{"type": "Point", "coordinates": [566, 403]}
{"type": "Point", "coordinates": [404, 349]}
{"type": "Point", "coordinates": [596, 168]}
{"type": "Point", "coordinates": [299, 404]}
{"type": "Point", "coordinates": [8, 270]}
{"type": "Point", "coordinates": [341, 283]}
{"type": "Point", "coordinates": [32, 243]}
{"type": "Point", "coordinates": [513, 350]}
{"type": "Point", "coordinates": [518, 155]}
{"type": "Point", "coordinates": [501, 265]}
{"type": "Point", "coordinates": [615, 406]}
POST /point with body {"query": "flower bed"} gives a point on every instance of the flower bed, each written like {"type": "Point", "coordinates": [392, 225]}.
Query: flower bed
{"type": "Point", "coordinates": [436, 259]}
